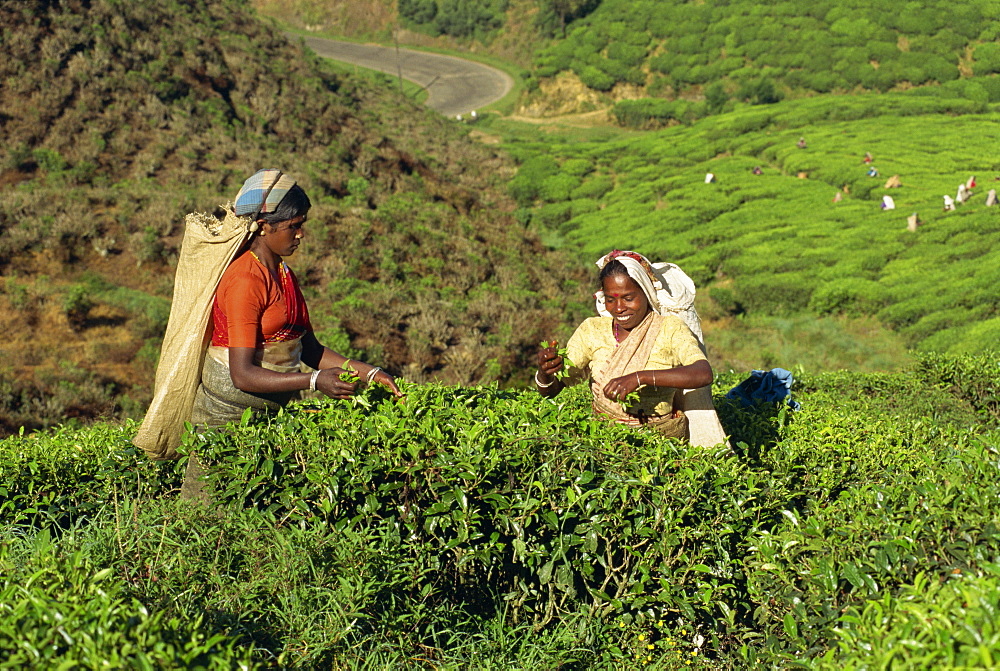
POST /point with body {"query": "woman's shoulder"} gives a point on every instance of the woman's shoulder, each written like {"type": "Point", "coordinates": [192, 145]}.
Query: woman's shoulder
{"type": "Point", "coordinates": [595, 323]}
{"type": "Point", "coordinates": [592, 325]}
{"type": "Point", "coordinates": [671, 322]}
{"type": "Point", "coordinates": [243, 267]}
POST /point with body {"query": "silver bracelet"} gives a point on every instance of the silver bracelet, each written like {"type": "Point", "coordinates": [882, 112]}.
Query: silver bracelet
{"type": "Point", "coordinates": [312, 380]}
{"type": "Point", "coordinates": [541, 385]}
{"type": "Point", "coordinates": [371, 374]}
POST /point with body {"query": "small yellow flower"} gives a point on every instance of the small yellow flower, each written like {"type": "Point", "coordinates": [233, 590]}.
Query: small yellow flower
{"type": "Point", "coordinates": [683, 632]}
{"type": "Point", "coordinates": [648, 658]}
{"type": "Point", "coordinates": [694, 653]}
{"type": "Point", "coordinates": [660, 623]}
{"type": "Point", "coordinates": [621, 625]}
{"type": "Point", "coordinates": [650, 647]}
{"type": "Point", "coordinates": [642, 637]}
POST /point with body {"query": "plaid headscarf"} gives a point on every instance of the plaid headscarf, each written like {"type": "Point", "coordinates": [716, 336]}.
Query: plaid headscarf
{"type": "Point", "coordinates": [262, 192]}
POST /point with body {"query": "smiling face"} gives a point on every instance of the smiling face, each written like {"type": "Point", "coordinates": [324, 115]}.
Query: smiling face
{"type": "Point", "coordinates": [283, 237]}
{"type": "Point", "coordinates": [625, 300]}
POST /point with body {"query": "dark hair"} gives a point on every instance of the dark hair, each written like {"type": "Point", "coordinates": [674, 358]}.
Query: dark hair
{"type": "Point", "coordinates": [612, 267]}
{"type": "Point", "coordinates": [294, 204]}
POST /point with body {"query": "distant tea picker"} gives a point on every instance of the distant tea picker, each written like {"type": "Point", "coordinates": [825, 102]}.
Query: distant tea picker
{"type": "Point", "coordinates": [648, 340]}
{"type": "Point", "coordinates": [239, 330]}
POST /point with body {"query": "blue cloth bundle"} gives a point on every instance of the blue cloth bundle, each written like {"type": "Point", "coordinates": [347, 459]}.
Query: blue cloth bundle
{"type": "Point", "coordinates": [765, 385]}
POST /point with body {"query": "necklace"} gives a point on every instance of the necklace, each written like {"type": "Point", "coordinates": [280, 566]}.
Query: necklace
{"type": "Point", "coordinates": [281, 267]}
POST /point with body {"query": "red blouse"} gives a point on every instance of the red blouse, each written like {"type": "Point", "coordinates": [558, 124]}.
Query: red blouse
{"type": "Point", "coordinates": [252, 308]}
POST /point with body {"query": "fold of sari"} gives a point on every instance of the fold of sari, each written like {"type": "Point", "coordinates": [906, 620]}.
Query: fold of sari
{"type": "Point", "coordinates": [631, 356]}
{"type": "Point", "coordinates": [219, 402]}
{"type": "Point", "coordinates": [296, 312]}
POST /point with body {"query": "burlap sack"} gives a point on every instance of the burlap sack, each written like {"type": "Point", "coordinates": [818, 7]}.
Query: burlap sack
{"type": "Point", "coordinates": [209, 246]}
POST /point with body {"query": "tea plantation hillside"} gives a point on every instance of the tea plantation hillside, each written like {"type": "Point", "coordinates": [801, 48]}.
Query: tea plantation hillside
{"type": "Point", "coordinates": [762, 52]}
{"type": "Point", "coordinates": [476, 527]}
{"type": "Point", "coordinates": [119, 118]}
{"type": "Point", "coordinates": [808, 235]}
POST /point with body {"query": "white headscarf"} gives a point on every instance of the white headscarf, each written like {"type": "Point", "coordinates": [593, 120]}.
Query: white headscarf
{"type": "Point", "coordinates": [667, 287]}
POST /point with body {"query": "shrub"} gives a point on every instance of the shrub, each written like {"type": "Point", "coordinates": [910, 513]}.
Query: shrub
{"type": "Point", "coordinates": [852, 296]}
{"type": "Point", "coordinates": [594, 187]}
{"type": "Point", "coordinates": [62, 611]}
{"type": "Point", "coordinates": [775, 294]}
{"type": "Point", "coordinates": [77, 305]}
{"type": "Point", "coordinates": [645, 112]}
{"type": "Point", "coordinates": [553, 215]}
{"type": "Point", "coordinates": [558, 187]}
{"type": "Point", "coordinates": [595, 78]}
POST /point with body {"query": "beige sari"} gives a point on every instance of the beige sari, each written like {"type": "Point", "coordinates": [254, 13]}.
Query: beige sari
{"type": "Point", "coordinates": [631, 356]}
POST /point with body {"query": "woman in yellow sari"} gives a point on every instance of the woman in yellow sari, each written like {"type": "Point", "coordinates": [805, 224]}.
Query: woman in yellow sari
{"type": "Point", "coordinates": [647, 340]}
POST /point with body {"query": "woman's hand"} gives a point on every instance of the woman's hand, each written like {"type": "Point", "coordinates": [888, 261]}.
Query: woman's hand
{"type": "Point", "coordinates": [328, 381]}
{"type": "Point", "coordinates": [389, 381]}
{"type": "Point", "coordinates": [549, 363]}
{"type": "Point", "coordinates": [620, 387]}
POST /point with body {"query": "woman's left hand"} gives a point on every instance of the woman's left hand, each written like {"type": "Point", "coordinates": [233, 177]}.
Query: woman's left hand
{"type": "Point", "coordinates": [389, 381]}
{"type": "Point", "coordinates": [620, 387]}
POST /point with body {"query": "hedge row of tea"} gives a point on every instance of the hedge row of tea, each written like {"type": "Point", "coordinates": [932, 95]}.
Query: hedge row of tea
{"type": "Point", "coordinates": [672, 48]}
{"type": "Point", "coordinates": [777, 242]}
{"type": "Point", "coordinates": [473, 527]}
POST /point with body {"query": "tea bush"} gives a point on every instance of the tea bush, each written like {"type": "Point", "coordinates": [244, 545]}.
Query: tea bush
{"type": "Point", "coordinates": [60, 611]}
{"type": "Point", "coordinates": [448, 525]}
{"type": "Point", "coordinates": [760, 52]}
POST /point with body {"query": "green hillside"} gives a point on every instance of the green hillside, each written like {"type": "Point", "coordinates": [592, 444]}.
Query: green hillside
{"type": "Point", "coordinates": [490, 529]}
{"type": "Point", "coordinates": [776, 244]}
{"type": "Point", "coordinates": [762, 52]}
{"type": "Point", "coordinates": [119, 118]}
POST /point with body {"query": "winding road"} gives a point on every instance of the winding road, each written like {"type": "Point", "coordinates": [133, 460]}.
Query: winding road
{"type": "Point", "coordinates": [454, 85]}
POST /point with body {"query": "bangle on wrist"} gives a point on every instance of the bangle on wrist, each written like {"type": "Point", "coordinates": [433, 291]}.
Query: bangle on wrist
{"type": "Point", "coordinates": [542, 385]}
{"type": "Point", "coordinates": [312, 380]}
{"type": "Point", "coordinates": [371, 374]}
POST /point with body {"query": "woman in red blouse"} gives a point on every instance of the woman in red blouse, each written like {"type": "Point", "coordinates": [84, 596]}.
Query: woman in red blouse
{"type": "Point", "coordinates": [261, 333]}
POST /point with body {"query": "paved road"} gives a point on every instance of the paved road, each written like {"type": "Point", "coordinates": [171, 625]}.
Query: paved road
{"type": "Point", "coordinates": [454, 85]}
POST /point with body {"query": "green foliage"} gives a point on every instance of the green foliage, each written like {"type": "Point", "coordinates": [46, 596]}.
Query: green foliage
{"type": "Point", "coordinates": [647, 112]}
{"type": "Point", "coordinates": [77, 305]}
{"type": "Point", "coordinates": [457, 18]}
{"type": "Point", "coordinates": [596, 78]}
{"type": "Point", "coordinates": [60, 611]}
{"type": "Point", "coordinates": [554, 16]}
{"type": "Point", "coordinates": [454, 522]}
{"type": "Point", "coordinates": [777, 242]}
{"type": "Point", "coordinates": [763, 52]}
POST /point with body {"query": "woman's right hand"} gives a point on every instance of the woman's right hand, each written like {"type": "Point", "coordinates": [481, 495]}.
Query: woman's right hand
{"type": "Point", "coordinates": [328, 381]}
{"type": "Point", "coordinates": [549, 363]}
